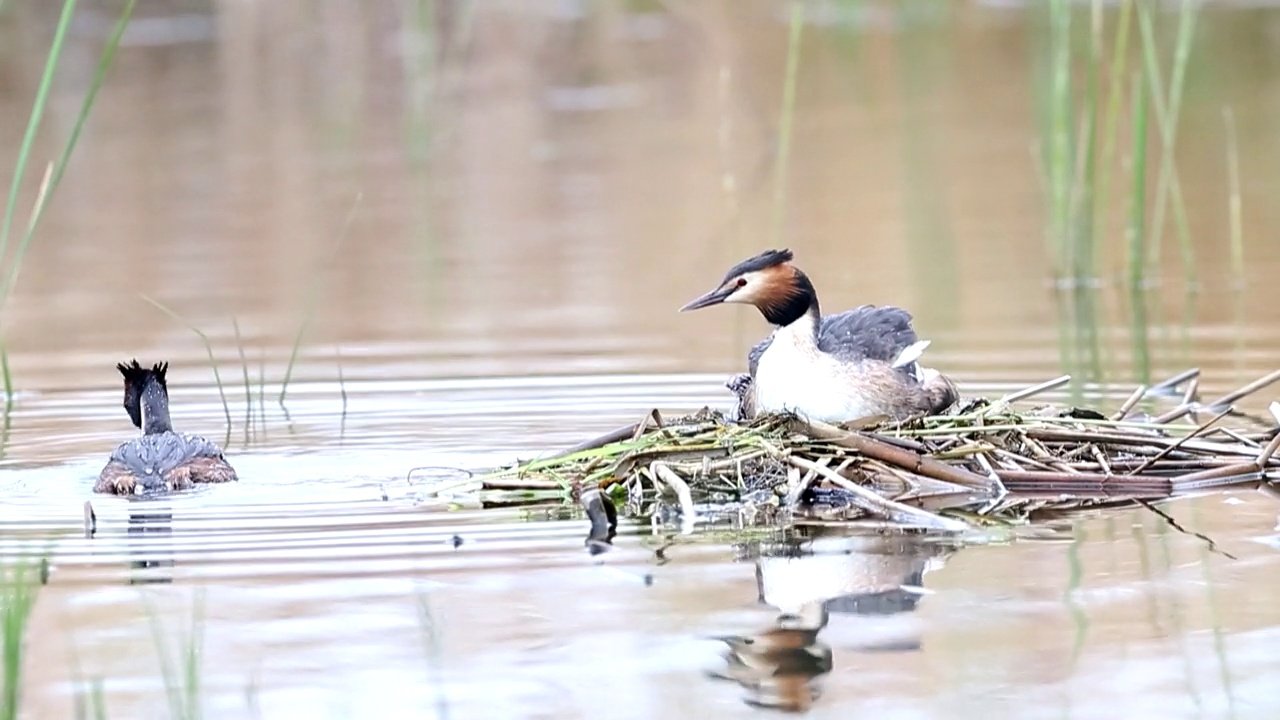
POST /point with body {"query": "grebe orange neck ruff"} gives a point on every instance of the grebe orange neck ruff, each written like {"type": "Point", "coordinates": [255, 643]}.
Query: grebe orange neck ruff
{"type": "Point", "coordinates": [836, 368]}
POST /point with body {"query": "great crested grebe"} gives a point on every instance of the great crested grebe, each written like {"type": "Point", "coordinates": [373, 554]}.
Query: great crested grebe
{"type": "Point", "coordinates": [835, 368]}
{"type": "Point", "coordinates": [160, 459]}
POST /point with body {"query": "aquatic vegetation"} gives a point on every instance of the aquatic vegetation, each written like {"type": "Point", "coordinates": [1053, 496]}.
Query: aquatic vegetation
{"type": "Point", "coordinates": [984, 462]}
{"type": "Point", "coordinates": [1081, 134]}
{"type": "Point", "coordinates": [786, 120]}
{"type": "Point", "coordinates": [313, 298]}
{"type": "Point", "coordinates": [54, 171]}
{"type": "Point", "coordinates": [208, 348]}
{"type": "Point", "coordinates": [182, 674]}
{"type": "Point", "coordinates": [1101, 64]}
{"type": "Point", "coordinates": [19, 585]}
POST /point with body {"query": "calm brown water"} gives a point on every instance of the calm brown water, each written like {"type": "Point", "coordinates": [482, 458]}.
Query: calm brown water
{"type": "Point", "coordinates": [529, 191]}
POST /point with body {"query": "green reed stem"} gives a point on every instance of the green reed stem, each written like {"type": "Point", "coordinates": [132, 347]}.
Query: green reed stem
{"type": "Point", "coordinates": [181, 684]}
{"type": "Point", "coordinates": [19, 585]}
{"type": "Point", "coordinates": [33, 123]}
{"type": "Point", "coordinates": [785, 122]}
{"type": "Point", "coordinates": [1060, 113]}
{"type": "Point", "coordinates": [55, 177]}
{"type": "Point", "coordinates": [8, 378]}
{"type": "Point", "coordinates": [313, 299]}
{"type": "Point", "coordinates": [248, 388]}
{"type": "Point", "coordinates": [1082, 209]}
{"type": "Point", "coordinates": [98, 698]}
{"type": "Point", "coordinates": [1135, 233]}
{"type": "Point", "coordinates": [342, 382]}
{"type": "Point", "coordinates": [262, 391]}
{"type": "Point", "coordinates": [1119, 60]}
{"type": "Point", "coordinates": [1169, 187]}
{"type": "Point", "coordinates": [208, 348]}
{"type": "Point", "coordinates": [1234, 201]}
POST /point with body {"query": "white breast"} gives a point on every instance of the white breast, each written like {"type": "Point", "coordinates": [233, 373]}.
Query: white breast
{"type": "Point", "coordinates": [794, 376]}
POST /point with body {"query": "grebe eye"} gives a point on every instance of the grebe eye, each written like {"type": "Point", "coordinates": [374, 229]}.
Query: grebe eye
{"type": "Point", "coordinates": [742, 282]}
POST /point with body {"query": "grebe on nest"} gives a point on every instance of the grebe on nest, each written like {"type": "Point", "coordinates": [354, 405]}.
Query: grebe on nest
{"type": "Point", "coordinates": [835, 368]}
{"type": "Point", "coordinates": [160, 459]}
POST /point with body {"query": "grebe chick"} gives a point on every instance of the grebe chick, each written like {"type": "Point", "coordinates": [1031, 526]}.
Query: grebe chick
{"type": "Point", "coordinates": [160, 459]}
{"type": "Point", "coordinates": [836, 368]}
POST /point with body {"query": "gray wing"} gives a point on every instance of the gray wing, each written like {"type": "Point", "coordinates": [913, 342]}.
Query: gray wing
{"type": "Point", "coordinates": [201, 447]}
{"type": "Point", "coordinates": [864, 333]}
{"type": "Point", "coordinates": [162, 452]}
{"type": "Point", "coordinates": [867, 333]}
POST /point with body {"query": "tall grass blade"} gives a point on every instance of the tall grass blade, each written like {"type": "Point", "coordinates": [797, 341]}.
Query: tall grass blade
{"type": "Point", "coordinates": [98, 698]}
{"type": "Point", "coordinates": [248, 388]}
{"type": "Point", "coordinates": [342, 389]}
{"type": "Point", "coordinates": [262, 392]}
{"type": "Point", "coordinates": [1059, 163]}
{"type": "Point", "coordinates": [785, 122]}
{"type": "Point", "coordinates": [208, 348]}
{"type": "Point", "coordinates": [194, 651]}
{"type": "Point", "coordinates": [1115, 99]}
{"type": "Point", "coordinates": [1168, 186]}
{"type": "Point", "coordinates": [1081, 210]}
{"type": "Point", "coordinates": [8, 378]}
{"type": "Point", "coordinates": [19, 585]}
{"type": "Point", "coordinates": [55, 177]}
{"type": "Point", "coordinates": [1234, 202]}
{"type": "Point", "coordinates": [1135, 233]}
{"type": "Point", "coordinates": [313, 299]}
{"type": "Point", "coordinates": [181, 683]}
{"type": "Point", "coordinates": [33, 123]}
{"type": "Point", "coordinates": [88, 695]}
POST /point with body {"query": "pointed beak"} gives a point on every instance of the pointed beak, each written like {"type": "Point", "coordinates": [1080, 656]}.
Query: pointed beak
{"type": "Point", "coordinates": [715, 297]}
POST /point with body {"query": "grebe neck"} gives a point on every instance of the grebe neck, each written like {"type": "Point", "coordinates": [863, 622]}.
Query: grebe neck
{"type": "Point", "coordinates": [796, 301]}
{"type": "Point", "coordinates": [155, 409]}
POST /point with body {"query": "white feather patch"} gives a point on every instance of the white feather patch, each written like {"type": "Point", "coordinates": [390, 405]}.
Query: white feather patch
{"type": "Point", "coordinates": [911, 353]}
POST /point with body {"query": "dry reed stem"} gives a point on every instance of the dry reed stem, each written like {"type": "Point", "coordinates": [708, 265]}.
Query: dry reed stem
{"type": "Point", "coordinates": [1176, 380]}
{"type": "Point", "coordinates": [1138, 393]}
{"type": "Point", "coordinates": [1228, 399]}
{"type": "Point", "coordinates": [880, 506]}
{"type": "Point", "coordinates": [879, 450]}
{"type": "Point", "coordinates": [681, 488]}
{"type": "Point", "coordinates": [1170, 448]}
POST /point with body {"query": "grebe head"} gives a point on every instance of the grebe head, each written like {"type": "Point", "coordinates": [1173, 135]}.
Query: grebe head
{"type": "Point", "coordinates": [146, 396]}
{"type": "Point", "coordinates": [769, 281]}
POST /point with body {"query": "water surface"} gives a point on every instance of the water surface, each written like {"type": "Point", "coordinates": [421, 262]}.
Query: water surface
{"type": "Point", "coordinates": [485, 217]}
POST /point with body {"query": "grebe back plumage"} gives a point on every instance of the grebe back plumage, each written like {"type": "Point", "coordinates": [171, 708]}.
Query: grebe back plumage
{"type": "Point", "coordinates": [836, 368]}
{"type": "Point", "coordinates": [160, 459]}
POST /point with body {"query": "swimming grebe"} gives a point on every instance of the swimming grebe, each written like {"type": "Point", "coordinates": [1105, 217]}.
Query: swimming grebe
{"type": "Point", "coordinates": [160, 459]}
{"type": "Point", "coordinates": [836, 368]}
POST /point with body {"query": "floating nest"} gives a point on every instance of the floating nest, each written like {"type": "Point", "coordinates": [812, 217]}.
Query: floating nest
{"type": "Point", "coordinates": [983, 462]}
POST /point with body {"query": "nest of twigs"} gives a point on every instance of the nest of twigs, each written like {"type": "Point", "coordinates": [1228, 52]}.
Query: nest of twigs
{"type": "Point", "coordinates": [984, 460]}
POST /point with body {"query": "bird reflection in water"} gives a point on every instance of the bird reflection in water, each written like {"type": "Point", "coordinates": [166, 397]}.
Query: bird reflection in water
{"type": "Point", "coordinates": [780, 667]}
{"type": "Point", "coordinates": [147, 519]}
{"type": "Point", "coordinates": [152, 559]}
{"type": "Point", "coordinates": [817, 580]}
